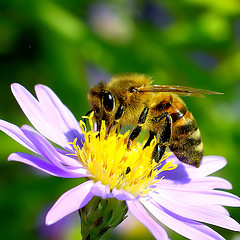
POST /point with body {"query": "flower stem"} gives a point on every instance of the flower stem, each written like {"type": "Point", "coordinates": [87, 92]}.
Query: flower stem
{"type": "Point", "coordinates": [100, 216]}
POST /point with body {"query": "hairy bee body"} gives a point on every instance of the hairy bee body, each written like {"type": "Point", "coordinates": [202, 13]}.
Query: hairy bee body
{"type": "Point", "coordinates": [131, 99]}
{"type": "Point", "coordinates": [185, 141]}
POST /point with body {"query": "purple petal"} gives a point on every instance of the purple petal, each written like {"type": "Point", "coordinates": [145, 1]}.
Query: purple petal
{"type": "Point", "coordinates": [45, 166]}
{"type": "Point", "coordinates": [122, 194]}
{"type": "Point", "coordinates": [20, 135]}
{"type": "Point", "coordinates": [104, 192]}
{"type": "Point", "coordinates": [101, 190]}
{"type": "Point", "coordinates": [201, 198]}
{"type": "Point", "coordinates": [184, 172]}
{"type": "Point", "coordinates": [69, 160]}
{"type": "Point", "coordinates": [209, 165]}
{"type": "Point", "coordinates": [139, 212]}
{"type": "Point", "coordinates": [202, 214]}
{"type": "Point", "coordinates": [17, 134]}
{"type": "Point", "coordinates": [220, 209]}
{"type": "Point", "coordinates": [206, 183]}
{"type": "Point", "coordinates": [44, 148]}
{"type": "Point", "coordinates": [65, 158]}
{"type": "Point", "coordinates": [51, 123]}
{"type": "Point", "coordinates": [50, 101]}
{"type": "Point", "coordinates": [186, 227]}
{"type": "Point", "coordinates": [69, 202]}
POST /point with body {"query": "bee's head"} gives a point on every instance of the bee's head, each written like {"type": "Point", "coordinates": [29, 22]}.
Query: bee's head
{"type": "Point", "coordinates": [101, 100]}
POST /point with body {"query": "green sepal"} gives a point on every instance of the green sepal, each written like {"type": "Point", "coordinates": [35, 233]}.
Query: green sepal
{"type": "Point", "coordinates": [100, 216]}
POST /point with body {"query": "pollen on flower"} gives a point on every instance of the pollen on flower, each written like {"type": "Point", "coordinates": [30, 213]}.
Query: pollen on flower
{"type": "Point", "coordinates": [108, 160]}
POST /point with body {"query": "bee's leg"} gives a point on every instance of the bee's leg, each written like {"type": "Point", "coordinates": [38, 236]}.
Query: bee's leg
{"type": "Point", "coordinates": [137, 130]}
{"type": "Point", "coordinates": [150, 138]}
{"type": "Point", "coordinates": [116, 119]}
{"type": "Point", "coordinates": [118, 129]}
{"type": "Point", "coordinates": [164, 137]}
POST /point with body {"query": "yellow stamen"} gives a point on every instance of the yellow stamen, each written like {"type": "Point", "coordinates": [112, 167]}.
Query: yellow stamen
{"type": "Point", "coordinates": [109, 161]}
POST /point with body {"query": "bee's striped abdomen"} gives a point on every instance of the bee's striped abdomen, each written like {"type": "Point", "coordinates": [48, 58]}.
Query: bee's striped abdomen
{"type": "Point", "coordinates": [186, 141]}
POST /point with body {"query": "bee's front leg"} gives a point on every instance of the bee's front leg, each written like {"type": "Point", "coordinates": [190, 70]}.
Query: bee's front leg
{"type": "Point", "coordinates": [137, 130]}
{"type": "Point", "coordinates": [165, 136]}
{"type": "Point", "coordinates": [150, 138]}
{"type": "Point", "coordinates": [117, 117]}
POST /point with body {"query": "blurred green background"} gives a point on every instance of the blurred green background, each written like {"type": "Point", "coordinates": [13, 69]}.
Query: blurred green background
{"type": "Point", "coordinates": [70, 45]}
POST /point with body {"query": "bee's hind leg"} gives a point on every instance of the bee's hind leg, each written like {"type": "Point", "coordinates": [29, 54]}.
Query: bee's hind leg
{"type": "Point", "coordinates": [165, 136]}
{"type": "Point", "coordinates": [137, 130]}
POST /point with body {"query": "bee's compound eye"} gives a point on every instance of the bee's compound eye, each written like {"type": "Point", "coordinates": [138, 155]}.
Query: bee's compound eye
{"type": "Point", "coordinates": [107, 100]}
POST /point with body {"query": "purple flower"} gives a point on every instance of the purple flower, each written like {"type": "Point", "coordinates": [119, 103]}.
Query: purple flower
{"type": "Point", "coordinates": [172, 193]}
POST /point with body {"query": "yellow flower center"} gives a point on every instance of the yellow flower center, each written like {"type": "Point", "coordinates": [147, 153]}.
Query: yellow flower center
{"type": "Point", "coordinates": [108, 160]}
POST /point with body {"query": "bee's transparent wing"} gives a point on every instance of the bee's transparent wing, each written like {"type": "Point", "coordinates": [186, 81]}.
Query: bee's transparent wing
{"type": "Point", "coordinates": [179, 90]}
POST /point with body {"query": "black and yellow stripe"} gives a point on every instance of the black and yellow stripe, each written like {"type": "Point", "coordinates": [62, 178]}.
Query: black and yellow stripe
{"type": "Point", "coordinates": [186, 142]}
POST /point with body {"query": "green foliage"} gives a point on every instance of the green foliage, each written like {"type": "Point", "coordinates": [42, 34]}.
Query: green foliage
{"type": "Point", "coordinates": [68, 45]}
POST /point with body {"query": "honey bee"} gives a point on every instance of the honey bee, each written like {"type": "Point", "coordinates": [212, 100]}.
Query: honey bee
{"type": "Point", "coordinates": [131, 99]}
